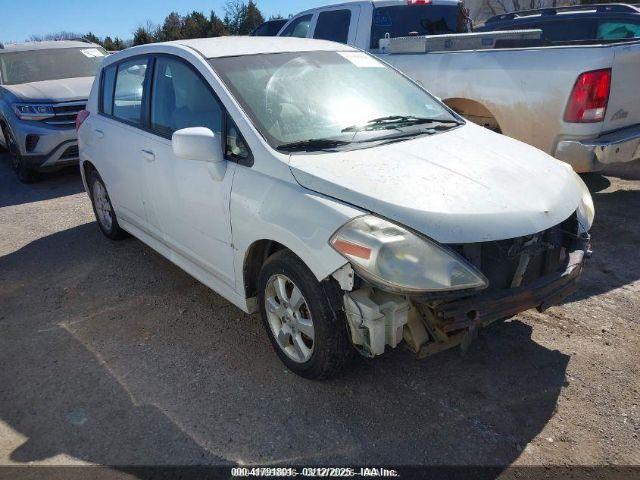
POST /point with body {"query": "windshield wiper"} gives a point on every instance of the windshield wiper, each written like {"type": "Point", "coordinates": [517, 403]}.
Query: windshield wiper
{"type": "Point", "coordinates": [393, 121]}
{"type": "Point", "coordinates": [311, 145]}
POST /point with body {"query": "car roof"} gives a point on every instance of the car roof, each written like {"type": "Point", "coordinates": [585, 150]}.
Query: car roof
{"type": "Point", "coordinates": [375, 3]}
{"type": "Point", "coordinates": [384, 3]}
{"type": "Point", "coordinates": [48, 45]}
{"type": "Point", "coordinates": [390, 3]}
{"type": "Point", "coordinates": [237, 46]}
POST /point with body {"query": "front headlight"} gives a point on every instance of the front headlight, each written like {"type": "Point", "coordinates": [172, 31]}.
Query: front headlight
{"type": "Point", "coordinates": [586, 209]}
{"type": "Point", "coordinates": [396, 259]}
{"type": "Point", "coordinates": [29, 111]}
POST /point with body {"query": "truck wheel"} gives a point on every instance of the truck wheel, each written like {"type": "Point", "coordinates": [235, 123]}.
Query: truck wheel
{"type": "Point", "coordinates": [306, 330]}
{"type": "Point", "coordinates": [105, 215]}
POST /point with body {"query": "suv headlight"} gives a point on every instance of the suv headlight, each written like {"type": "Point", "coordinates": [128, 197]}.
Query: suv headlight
{"type": "Point", "coordinates": [30, 111]}
{"type": "Point", "coordinates": [396, 259]}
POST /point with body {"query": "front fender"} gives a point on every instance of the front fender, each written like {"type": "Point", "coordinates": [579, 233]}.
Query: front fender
{"type": "Point", "coordinates": [266, 208]}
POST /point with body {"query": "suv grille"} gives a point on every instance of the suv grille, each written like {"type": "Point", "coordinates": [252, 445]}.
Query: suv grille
{"type": "Point", "coordinates": [65, 113]}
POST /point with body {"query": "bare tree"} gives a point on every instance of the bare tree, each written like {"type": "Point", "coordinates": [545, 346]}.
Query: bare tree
{"type": "Point", "coordinates": [64, 35]}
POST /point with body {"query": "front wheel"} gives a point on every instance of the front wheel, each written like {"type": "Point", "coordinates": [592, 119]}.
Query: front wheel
{"type": "Point", "coordinates": [307, 331]}
{"type": "Point", "coordinates": [24, 173]}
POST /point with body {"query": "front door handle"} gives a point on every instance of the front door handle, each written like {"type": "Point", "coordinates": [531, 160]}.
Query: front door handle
{"type": "Point", "coordinates": [148, 155]}
{"type": "Point", "coordinates": [99, 133]}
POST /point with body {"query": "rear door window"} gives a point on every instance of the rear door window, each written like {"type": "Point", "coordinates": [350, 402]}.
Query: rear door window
{"type": "Point", "coordinates": [333, 25]}
{"type": "Point", "coordinates": [618, 30]}
{"type": "Point", "coordinates": [299, 27]}
{"type": "Point", "coordinates": [405, 20]}
{"type": "Point", "coordinates": [127, 99]}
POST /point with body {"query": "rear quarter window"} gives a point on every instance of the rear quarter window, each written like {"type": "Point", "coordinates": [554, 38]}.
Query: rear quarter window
{"type": "Point", "coordinates": [107, 86]}
{"type": "Point", "coordinates": [333, 26]}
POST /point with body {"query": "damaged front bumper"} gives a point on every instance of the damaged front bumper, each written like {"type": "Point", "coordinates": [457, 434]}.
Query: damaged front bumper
{"type": "Point", "coordinates": [455, 322]}
{"type": "Point", "coordinates": [430, 325]}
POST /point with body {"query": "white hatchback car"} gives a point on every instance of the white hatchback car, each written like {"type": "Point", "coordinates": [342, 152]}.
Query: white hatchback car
{"type": "Point", "coordinates": [315, 184]}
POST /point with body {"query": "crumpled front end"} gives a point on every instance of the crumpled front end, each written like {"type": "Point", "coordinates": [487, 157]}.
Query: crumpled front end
{"type": "Point", "coordinates": [534, 271]}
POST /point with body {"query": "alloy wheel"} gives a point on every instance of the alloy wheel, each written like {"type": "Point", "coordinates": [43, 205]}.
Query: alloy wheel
{"type": "Point", "coordinates": [102, 205]}
{"type": "Point", "coordinates": [289, 318]}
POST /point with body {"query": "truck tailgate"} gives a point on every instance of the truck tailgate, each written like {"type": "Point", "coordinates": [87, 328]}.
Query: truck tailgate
{"type": "Point", "coordinates": [624, 101]}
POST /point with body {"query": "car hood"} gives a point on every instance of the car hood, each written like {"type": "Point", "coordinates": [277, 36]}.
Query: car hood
{"type": "Point", "coordinates": [467, 185]}
{"type": "Point", "coordinates": [52, 91]}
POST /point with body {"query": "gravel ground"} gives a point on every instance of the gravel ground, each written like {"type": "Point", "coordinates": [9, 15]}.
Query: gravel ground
{"type": "Point", "coordinates": [111, 355]}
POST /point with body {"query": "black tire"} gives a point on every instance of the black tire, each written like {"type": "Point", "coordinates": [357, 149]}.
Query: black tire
{"type": "Point", "coordinates": [24, 173]}
{"type": "Point", "coordinates": [332, 349]}
{"type": "Point", "coordinates": [112, 231]}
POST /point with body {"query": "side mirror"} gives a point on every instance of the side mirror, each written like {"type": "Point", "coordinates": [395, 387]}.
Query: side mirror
{"type": "Point", "coordinates": [200, 144]}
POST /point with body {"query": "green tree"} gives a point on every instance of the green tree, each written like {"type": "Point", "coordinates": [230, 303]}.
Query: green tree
{"type": "Point", "coordinates": [113, 45]}
{"type": "Point", "coordinates": [251, 20]}
{"type": "Point", "coordinates": [171, 28]}
{"type": "Point", "coordinates": [216, 26]}
{"type": "Point", "coordinates": [90, 37]}
{"type": "Point", "coordinates": [107, 43]}
{"type": "Point", "coordinates": [142, 36]}
{"type": "Point", "coordinates": [195, 25]}
{"type": "Point", "coordinates": [118, 44]}
{"type": "Point", "coordinates": [242, 18]}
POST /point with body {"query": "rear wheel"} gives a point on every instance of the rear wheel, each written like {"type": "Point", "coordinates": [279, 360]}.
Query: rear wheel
{"type": "Point", "coordinates": [306, 329]}
{"type": "Point", "coordinates": [103, 209]}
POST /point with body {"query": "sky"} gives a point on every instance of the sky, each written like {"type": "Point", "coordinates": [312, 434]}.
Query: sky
{"type": "Point", "coordinates": [20, 19]}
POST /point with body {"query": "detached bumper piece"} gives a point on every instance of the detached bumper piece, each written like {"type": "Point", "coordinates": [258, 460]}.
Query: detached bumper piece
{"type": "Point", "coordinates": [452, 322]}
{"type": "Point", "coordinates": [615, 147]}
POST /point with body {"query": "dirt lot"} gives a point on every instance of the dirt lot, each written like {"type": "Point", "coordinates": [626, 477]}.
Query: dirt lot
{"type": "Point", "coordinates": [111, 355]}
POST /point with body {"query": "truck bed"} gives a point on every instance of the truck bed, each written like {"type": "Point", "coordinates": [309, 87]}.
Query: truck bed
{"type": "Point", "coordinates": [523, 92]}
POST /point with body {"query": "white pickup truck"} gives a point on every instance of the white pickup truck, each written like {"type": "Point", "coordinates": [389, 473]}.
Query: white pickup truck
{"type": "Point", "coordinates": [577, 102]}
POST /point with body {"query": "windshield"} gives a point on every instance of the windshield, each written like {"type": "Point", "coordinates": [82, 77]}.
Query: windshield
{"type": "Point", "coordinates": [297, 97]}
{"type": "Point", "coordinates": [405, 20]}
{"type": "Point", "coordinates": [50, 64]}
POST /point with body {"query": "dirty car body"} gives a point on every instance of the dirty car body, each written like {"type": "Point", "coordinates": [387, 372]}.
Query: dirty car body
{"type": "Point", "coordinates": [347, 218]}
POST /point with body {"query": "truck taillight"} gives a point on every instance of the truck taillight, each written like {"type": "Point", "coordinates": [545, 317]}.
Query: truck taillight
{"type": "Point", "coordinates": [81, 117]}
{"type": "Point", "coordinates": [589, 98]}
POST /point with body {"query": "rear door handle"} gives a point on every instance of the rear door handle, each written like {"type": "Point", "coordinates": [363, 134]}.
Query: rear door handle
{"type": "Point", "coordinates": [99, 133]}
{"type": "Point", "coordinates": [148, 155]}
